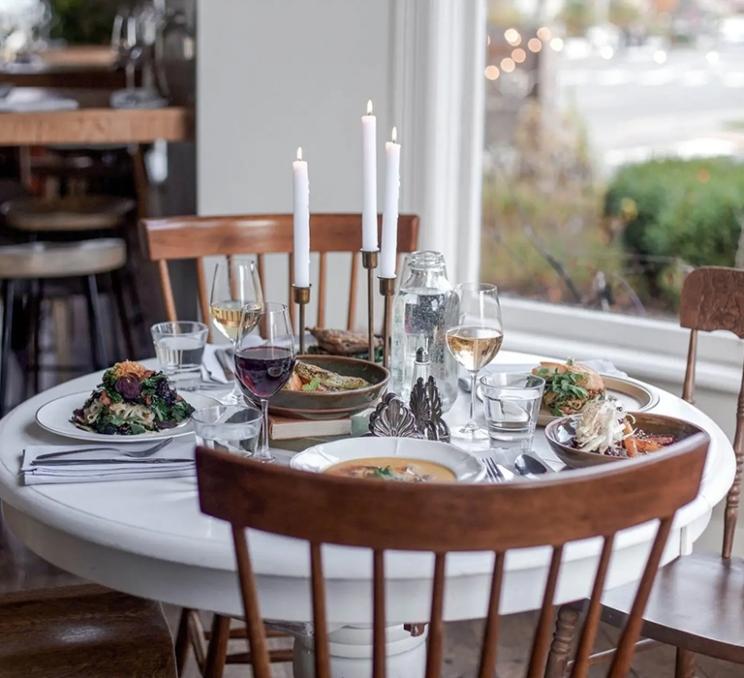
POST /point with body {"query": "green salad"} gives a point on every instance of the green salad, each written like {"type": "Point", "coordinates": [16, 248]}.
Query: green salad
{"type": "Point", "coordinates": [132, 400]}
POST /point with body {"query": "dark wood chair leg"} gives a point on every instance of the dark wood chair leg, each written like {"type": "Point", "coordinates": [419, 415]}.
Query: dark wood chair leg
{"type": "Point", "coordinates": [5, 347]}
{"type": "Point", "coordinates": [217, 650]}
{"type": "Point", "coordinates": [182, 643]}
{"type": "Point", "coordinates": [563, 638]}
{"type": "Point", "coordinates": [684, 666]}
{"type": "Point", "coordinates": [95, 325]}
{"type": "Point", "coordinates": [124, 321]}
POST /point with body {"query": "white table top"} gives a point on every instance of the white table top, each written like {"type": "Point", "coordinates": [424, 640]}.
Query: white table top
{"type": "Point", "coordinates": [149, 538]}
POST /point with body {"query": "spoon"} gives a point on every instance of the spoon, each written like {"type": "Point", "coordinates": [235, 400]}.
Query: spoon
{"type": "Point", "coordinates": [527, 465]}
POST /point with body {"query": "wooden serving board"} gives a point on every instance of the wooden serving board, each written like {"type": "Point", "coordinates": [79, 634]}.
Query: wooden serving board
{"type": "Point", "coordinates": [634, 396]}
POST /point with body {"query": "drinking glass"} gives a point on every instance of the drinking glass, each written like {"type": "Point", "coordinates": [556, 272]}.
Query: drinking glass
{"type": "Point", "coordinates": [474, 337]}
{"type": "Point", "coordinates": [511, 403]}
{"type": "Point", "coordinates": [227, 427]}
{"type": "Point", "coordinates": [236, 296]}
{"type": "Point", "coordinates": [179, 347]}
{"type": "Point", "coordinates": [263, 368]}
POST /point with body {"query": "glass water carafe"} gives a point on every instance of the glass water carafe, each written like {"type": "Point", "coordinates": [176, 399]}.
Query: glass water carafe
{"type": "Point", "coordinates": [419, 323]}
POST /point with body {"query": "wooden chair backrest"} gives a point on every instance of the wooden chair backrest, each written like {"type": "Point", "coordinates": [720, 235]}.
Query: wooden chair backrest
{"type": "Point", "coordinates": [191, 237]}
{"type": "Point", "coordinates": [325, 509]}
{"type": "Point", "coordinates": [713, 299]}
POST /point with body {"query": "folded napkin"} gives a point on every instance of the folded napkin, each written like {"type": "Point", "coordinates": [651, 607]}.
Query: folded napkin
{"type": "Point", "coordinates": [211, 363]}
{"type": "Point", "coordinates": [600, 365]}
{"type": "Point", "coordinates": [165, 463]}
{"type": "Point", "coordinates": [13, 104]}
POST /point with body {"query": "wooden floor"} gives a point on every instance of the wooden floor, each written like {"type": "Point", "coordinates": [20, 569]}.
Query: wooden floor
{"type": "Point", "coordinates": [463, 644]}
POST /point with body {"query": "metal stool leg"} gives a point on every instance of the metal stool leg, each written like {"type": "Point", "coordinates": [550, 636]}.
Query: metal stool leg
{"type": "Point", "coordinates": [116, 286]}
{"type": "Point", "coordinates": [5, 348]}
{"type": "Point", "coordinates": [37, 294]}
{"type": "Point", "coordinates": [95, 326]}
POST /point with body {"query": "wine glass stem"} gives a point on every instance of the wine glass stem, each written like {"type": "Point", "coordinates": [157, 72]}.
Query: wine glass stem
{"type": "Point", "coordinates": [263, 441]}
{"type": "Point", "coordinates": [473, 397]}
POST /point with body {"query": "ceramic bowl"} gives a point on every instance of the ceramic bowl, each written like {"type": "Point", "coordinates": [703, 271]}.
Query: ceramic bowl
{"type": "Point", "coordinates": [466, 467]}
{"type": "Point", "coordinates": [560, 433]}
{"type": "Point", "coordinates": [338, 404]}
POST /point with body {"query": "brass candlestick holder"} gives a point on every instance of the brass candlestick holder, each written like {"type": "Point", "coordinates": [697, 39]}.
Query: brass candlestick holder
{"type": "Point", "coordinates": [369, 261]}
{"type": "Point", "coordinates": [301, 297]}
{"type": "Point", "coordinates": [387, 289]}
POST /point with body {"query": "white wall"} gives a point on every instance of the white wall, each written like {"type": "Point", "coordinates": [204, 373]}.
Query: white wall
{"type": "Point", "coordinates": [276, 75]}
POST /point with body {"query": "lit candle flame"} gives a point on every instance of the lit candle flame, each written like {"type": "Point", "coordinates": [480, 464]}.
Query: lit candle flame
{"type": "Point", "coordinates": [370, 110]}
{"type": "Point", "coordinates": [394, 135]}
{"type": "Point", "coordinates": [299, 152]}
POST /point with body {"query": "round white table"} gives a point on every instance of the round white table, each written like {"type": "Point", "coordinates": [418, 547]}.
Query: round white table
{"type": "Point", "coordinates": [148, 538]}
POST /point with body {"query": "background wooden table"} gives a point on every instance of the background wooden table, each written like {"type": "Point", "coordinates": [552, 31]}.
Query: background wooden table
{"type": "Point", "coordinates": [95, 122]}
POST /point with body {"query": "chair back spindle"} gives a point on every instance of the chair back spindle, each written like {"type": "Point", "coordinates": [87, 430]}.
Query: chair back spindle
{"type": "Point", "coordinates": [713, 299]}
{"type": "Point", "coordinates": [192, 237]}
{"type": "Point", "coordinates": [454, 517]}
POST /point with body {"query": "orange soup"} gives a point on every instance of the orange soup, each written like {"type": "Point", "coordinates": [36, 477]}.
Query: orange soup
{"type": "Point", "coordinates": [394, 468]}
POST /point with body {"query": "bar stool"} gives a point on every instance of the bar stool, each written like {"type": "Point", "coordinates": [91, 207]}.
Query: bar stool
{"type": "Point", "coordinates": [68, 217]}
{"type": "Point", "coordinates": [71, 214]}
{"type": "Point", "coordinates": [29, 265]}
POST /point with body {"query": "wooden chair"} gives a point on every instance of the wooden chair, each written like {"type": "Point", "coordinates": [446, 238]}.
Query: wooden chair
{"type": "Point", "coordinates": [696, 603]}
{"type": "Point", "coordinates": [456, 517]}
{"type": "Point", "coordinates": [261, 234]}
{"type": "Point", "coordinates": [83, 630]}
{"type": "Point", "coordinates": [192, 237]}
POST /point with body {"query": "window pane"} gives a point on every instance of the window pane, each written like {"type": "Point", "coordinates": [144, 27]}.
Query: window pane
{"type": "Point", "coordinates": [614, 140]}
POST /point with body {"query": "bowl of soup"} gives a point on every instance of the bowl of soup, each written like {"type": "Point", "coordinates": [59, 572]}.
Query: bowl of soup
{"type": "Point", "coordinates": [392, 459]}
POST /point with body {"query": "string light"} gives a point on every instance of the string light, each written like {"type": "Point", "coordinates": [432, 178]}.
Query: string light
{"type": "Point", "coordinates": [519, 55]}
{"type": "Point", "coordinates": [557, 44]}
{"type": "Point", "coordinates": [512, 36]}
{"type": "Point", "coordinates": [492, 72]}
{"type": "Point", "coordinates": [534, 45]}
{"type": "Point", "coordinates": [507, 65]}
{"type": "Point", "coordinates": [544, 33]}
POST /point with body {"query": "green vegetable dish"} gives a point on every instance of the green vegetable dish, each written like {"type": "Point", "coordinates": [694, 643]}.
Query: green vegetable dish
{"type": "Point", "coordinates": [132, 400]}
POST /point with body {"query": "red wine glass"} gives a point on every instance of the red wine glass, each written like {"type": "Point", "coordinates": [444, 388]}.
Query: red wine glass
{"type": "Point", "coordinates": [263, 364]}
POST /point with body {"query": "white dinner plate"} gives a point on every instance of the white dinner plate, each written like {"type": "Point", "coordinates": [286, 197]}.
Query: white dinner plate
{"type": "Point", "coordinates": [55, 418]}
{"type": "Point", "coordinates": [318, 458]}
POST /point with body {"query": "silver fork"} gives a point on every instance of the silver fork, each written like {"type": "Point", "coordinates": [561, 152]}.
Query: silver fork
{"type": "Point", "coordinates": [130, 454]}
{"type": "Point", "coordinates": [492, 471]}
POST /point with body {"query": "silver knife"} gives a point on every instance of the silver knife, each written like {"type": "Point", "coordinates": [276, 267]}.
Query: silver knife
{"type": "Point", "coordinates": [85, 462]}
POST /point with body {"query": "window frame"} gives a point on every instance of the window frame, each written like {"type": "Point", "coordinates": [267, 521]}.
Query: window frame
{"type": "Point", "coordinates": [439, 96]}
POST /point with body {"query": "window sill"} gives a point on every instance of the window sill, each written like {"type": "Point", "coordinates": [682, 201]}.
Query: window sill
{"type": "Point", "coordinates": [652, 350]}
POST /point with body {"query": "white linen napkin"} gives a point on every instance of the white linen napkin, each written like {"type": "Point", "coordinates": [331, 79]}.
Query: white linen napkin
{"type": "Point", "coordinates": [128, 469]}
{"type": "Point", "coordinates": [211, 363]}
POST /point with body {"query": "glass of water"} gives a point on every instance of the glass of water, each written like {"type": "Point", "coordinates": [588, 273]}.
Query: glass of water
{"type": "Point", "coordinates": [511, 403]}
{"type": "Point", "coordinates": [179, 347]}
{"type": "Point", "coordinates": [230, 428]}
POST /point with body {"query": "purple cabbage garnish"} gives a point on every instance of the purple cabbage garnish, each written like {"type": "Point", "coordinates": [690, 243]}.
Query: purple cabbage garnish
{"type": "Point", "coordinates": [129, 387]}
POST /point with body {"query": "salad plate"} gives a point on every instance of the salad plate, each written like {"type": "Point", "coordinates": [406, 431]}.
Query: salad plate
{"type": "Point", "coordinates": [55, 417]}
{"type": "Point", "coordinates": [633, 395]}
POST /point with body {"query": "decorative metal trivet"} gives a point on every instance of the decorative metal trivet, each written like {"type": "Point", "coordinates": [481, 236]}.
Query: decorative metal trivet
{"type": "Point", "coordinates": [422, 419]}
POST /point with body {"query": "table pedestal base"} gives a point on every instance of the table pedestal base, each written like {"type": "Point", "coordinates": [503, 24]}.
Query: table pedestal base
{"type": "Point", "coordinates": [351, 653]}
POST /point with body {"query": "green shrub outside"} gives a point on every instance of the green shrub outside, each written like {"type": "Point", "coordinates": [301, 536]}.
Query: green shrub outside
{"type": "Point", "coordinates": [686, 209]}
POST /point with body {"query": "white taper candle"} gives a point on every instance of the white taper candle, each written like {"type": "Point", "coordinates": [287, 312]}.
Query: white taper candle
{"type": "Point", "coordinates": [369, 178]}
{"type": "Point", "coordinates": [389, 249]}
{"type": "Point", "coordinates": [301, 249]}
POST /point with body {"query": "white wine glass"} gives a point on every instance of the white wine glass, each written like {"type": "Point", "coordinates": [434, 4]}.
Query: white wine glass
{"type": "Point", "coordinates": [474, 336]}
{"type": "Point", "coordinates": [235, 303]}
